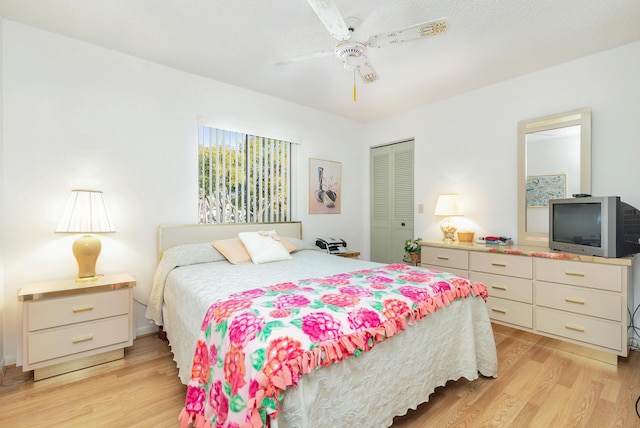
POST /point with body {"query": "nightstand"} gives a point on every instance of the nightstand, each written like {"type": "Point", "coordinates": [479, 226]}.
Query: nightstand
{"type": "Point", "coordinates": [349, 254]}
{"type": "Point", "coordinates": [69, 325]}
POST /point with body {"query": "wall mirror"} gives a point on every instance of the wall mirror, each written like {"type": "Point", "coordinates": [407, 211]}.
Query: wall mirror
{"type": "Point", "coordinates": [554, 161]}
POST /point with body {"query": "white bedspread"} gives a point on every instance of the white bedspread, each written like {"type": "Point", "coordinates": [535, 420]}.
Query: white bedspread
{"type": "Point", "coordinates": [399, 373]}
{"type": "Point", "coordinates": [190, 290]}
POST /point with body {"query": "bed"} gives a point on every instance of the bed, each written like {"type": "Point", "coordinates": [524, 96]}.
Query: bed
{"type": "Point", "coordinates": [340, 386]}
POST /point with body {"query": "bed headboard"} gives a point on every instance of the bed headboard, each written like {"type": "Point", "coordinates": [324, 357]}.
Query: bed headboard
{"type": "Point", "coordinates": [170, 235]}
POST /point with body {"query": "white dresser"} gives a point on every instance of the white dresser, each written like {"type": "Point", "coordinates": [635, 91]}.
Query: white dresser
{"type": "Point", "coordinates": [581, 300]}
{"type": "Point", "coordinates": [69, 325]}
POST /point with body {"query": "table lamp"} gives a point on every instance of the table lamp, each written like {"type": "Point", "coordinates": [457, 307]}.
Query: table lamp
{"type": "Point", "coordinates": [447, 206]}
{"type": "Point", "coordinates": [86, 212]}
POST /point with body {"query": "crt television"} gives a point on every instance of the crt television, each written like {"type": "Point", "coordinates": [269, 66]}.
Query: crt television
{"type": "Point", "coordinates": [596, 226]}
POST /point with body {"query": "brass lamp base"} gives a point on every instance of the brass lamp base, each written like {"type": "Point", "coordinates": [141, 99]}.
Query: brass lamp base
{"type": "Point", "coordinates": [449, 229]}
{"type": "Point", "coordinates": [86, 249]}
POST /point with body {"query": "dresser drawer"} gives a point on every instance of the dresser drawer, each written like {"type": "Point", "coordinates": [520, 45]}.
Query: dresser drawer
{"type": "Point", "coordinates": [459, 272]}
{"type": "Point", "coordinates": [506, 287]}
{"type": "Point", "coordinates": [68, 340]}
{"type": "Point", "coordinates": [511, 312]}
{"type": "Point", "coordinates": [502, 264]}
{"type": "Point", "coordinates": [77, 308]}
{"type": "Point", "coordinates": [579, 327]}
{"type": "Point", "coordinates": [592, 275]}
{"type": "Point", "coordinates": [445, 257]}
{"type": "Point", "coordinates": [579, 300]}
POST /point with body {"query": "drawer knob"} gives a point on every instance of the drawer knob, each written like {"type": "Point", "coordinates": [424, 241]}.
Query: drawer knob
{"type": "Point", "coordinates": [499, 264]}
{"type": "Point", "coordinates": [498, 310]}
{"type": "Point", "coordinates": [77, 309]}
{"type": "Point", "coordinates": [574, 327]}
{"type": "Point", "coordinates": [85, 338]}
{"type": "Point", "coordinates": [572, 300]}
{"type": "Point", "coordinates": [499, 287]}
{"type": "Point", "coordinates": [574, 273]}
{"type": "Point", "coordinates": [443, 258]}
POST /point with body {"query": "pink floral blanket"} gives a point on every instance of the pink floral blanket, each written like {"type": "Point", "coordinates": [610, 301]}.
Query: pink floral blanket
{"type": "Point", "coordinates": [257, 343]}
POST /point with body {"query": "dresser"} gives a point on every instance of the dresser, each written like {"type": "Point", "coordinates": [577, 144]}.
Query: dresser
{"type": "Point", "coordinates": [581, 300]}
{"type": "Point", "coordinates": [69, 325]}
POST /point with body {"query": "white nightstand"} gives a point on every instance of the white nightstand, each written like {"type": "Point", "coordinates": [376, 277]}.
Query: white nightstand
{"type": "Point", "coordinates": [69, 325]}
{"type": "Point", "coordinates": [349, 254]}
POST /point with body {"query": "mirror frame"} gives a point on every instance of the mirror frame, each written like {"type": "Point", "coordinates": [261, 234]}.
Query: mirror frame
{"type": "Point", "coordinates": [580, 117]}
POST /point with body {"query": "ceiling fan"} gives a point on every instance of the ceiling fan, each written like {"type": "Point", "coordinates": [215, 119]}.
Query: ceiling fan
{"type": "Point", "coordinates": [353, 53]}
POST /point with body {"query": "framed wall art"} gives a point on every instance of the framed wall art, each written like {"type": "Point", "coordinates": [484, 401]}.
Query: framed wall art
{"type": "Point", "coordinates": [325, 192]}
{"type": "Point", "coordinates": [541, 188]}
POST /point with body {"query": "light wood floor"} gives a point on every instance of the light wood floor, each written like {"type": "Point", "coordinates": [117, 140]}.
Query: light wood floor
{"type": "Point", "coordinates": [538, 386]}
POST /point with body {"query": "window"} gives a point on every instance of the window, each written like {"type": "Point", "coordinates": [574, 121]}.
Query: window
{"type": "Point", "coordinates": [242, 178]}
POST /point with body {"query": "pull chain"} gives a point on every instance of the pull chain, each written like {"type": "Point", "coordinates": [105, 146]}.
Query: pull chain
{"type": "Point", "coordinates": [354, 85]}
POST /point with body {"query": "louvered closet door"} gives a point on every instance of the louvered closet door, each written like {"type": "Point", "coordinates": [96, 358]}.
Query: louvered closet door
{"type": "Point", "coordinates": [391, 201]}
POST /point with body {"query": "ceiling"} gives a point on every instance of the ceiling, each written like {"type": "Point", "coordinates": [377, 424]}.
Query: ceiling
{"type": "Point", "coordinates": [237, 42]}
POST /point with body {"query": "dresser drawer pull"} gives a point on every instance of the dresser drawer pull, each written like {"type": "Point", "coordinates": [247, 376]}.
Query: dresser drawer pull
{"type": "Point", "coordinates": [574, 327]}
{"type": "Point", "coordinates": [572, 300]}
{"type": "Point", "coordinates": [498, 264]}
{"type": "Point", "coordinates": [77, 309]}
{"type": "Point", "coordinates": [85, 338]}
{"type": "Point", "coordinates": [498, 310]}
{"type": "Point", "coordinates": [574, 273]}
{"type": "Point", "coordinates": [499, 287]}
{"type": "Point", "coordinates": [442, 258]}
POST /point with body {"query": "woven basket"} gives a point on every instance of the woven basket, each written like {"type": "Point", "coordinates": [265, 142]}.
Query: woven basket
{"type": "Point", "coordinates": [465, 236]}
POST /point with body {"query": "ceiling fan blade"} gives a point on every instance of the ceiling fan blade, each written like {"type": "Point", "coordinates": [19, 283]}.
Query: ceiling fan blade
{"type": "Point", "coordinates": [331, 18]}
{"type": "Point", "coordinates": [321, 54]}
{"type": "Point", "coordinates": [418, 31]}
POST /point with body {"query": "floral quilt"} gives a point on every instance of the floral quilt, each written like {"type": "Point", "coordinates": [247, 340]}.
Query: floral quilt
{"type": "Point", "coordinates": [257, 343]}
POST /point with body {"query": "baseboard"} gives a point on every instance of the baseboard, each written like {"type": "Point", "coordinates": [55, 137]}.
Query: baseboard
{"type": "Point", "coordinates": [146, 330]}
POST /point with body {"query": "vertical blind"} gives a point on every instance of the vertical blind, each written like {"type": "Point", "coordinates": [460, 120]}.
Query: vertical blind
{"type": "Point", "coordinates": [242, 178]}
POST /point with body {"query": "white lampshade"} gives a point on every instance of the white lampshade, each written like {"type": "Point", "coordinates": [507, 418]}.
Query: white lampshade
{"type": "Point", "coordinates": [86, 212]}
{"type": "Point", "coordinates": [447, 205]}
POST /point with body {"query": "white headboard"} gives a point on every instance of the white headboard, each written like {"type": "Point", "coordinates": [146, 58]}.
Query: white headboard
{"type": "Point", "coordinates": [170, 235]}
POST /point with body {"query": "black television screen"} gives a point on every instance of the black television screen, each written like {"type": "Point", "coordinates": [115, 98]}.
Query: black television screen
{"type": "Point", "coordinates": [578, 223]}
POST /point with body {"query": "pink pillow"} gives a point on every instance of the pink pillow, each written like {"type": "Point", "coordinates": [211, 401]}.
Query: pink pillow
{"type": "Point", "coordinates": [233, 249]}
{"type": "Point", "coordinates": [288, 245]}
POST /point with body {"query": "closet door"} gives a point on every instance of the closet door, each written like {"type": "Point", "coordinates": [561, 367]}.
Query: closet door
{"type": "Point", "coordinates": [391, 200]}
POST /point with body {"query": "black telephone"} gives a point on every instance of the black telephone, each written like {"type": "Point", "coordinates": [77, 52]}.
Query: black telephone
{"type": "Point", "coordinates": [332, 245]}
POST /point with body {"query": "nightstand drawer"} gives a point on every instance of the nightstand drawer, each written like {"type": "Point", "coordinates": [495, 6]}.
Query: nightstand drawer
{"type": "Point", "coordinates": [445, 257]}
{"type": "Point", "coordinates": [592, 275]}
{"type": "Point", "coordinates": [77, 308]}
{"type": "Point", "coordinates": [579, 327]}
{"type": "Point", "coordinates": [579, 300]}
{"type": "Point", "coordinates": [511, 312]}
{"type": "Point", "coordinates": [506, 287]}
{"type": "Point", "coordinates": [502, 264]}
{"type": "Point", "coordinates": [73, 339]}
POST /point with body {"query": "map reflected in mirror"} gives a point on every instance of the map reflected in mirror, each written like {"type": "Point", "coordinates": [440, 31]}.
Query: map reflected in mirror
{"type": "Point", "coordinates": [554, 162]}
{"type": "Point", "coordinates": [553, 172]}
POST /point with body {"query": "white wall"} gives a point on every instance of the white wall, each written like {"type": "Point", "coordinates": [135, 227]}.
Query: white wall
{"type": "Point", "coordinates": [79, 116]}
{"type": "Point", "coordinates": [468, 144]}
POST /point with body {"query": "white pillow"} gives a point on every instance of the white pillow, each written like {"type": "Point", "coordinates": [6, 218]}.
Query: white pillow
{"type": "Point", "coordinates": [264, 246]}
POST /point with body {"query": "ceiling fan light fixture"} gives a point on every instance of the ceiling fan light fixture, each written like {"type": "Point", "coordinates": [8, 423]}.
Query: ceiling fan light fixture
{"type": "Point", "coordinates": [369, 77]}
{"type": "Point", "coordinates": [433, 28]}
